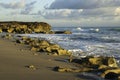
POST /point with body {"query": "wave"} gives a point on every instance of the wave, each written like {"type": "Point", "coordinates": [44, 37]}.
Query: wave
{"type": "Point", "coordinates": [115, 29]}
{"type": "Point", "coordinates": [85, 30]}
{"type": "Point", "coordinates": [86, 41]}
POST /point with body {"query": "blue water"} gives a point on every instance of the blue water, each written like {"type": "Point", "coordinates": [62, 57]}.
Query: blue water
{"type": "Point", "coordinates": [83, 41]}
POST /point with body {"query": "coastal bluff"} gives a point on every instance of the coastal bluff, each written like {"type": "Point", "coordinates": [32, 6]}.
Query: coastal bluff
{"type": "Point", "coordinates": [28, 27]}
{"type": "Point", "coordinates": [25, 27]}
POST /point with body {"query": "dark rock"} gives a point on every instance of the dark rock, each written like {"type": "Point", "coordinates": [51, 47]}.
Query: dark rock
{"type": "Point", "coordinates": [97, 62]}
{"type": "Point", "coordinates": [63, 32]}
{"type": "Point", "coordinates": [112, 76]}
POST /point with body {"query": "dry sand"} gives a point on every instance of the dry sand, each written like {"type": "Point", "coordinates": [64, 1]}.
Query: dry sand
{"type": "Point", "coordinates": [15, 57]}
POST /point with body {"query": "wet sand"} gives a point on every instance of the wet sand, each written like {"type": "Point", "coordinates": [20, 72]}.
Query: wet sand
{"type": "Point", "coordinates": [15, 57]}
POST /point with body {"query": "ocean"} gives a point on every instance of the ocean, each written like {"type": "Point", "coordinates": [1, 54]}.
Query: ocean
{"type": "Point", "coordinates": [86, 41]}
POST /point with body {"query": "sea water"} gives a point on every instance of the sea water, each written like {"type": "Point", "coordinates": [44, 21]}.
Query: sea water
{"type": "Point", "coordinates": [85, 41]}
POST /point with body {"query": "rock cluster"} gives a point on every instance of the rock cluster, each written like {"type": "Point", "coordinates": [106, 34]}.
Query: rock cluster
{"type": "Point", "coordinates": [25, 27]}
{"type": "Point", "coordinates": [43, 46]}
{"type": "Point", "coordinates": [104, 66]}
{"type": "Point", "coordinates": [29, 27]}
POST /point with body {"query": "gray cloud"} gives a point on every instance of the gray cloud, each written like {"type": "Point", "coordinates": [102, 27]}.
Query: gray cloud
{"type": "Point", "coordinates": [13, 5]}
{"type": "Point", "coordinates": [28, 8]}
{"type": "Point", "coordinates": [78, 13]}
{"type": "Point", "coordinates": [83, 4]}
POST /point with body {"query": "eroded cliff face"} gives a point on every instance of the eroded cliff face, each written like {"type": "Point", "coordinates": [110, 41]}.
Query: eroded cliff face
{"type": "Point", "coordinates": [25, 27]}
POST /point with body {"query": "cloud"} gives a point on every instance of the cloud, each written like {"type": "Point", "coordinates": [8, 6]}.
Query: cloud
{"type": "Point", "coordinates": [28, 8]}
{"type": "Point", "coordinates": [77, 13]}
{"type": "Point", "coordinates": [13, 5]}
{"type": "Point", "coordinates": [83, 4]}
{"type": "Point", "coordinates": [117, 11]}
{"type": "Point", "coordinates": [59, 14]}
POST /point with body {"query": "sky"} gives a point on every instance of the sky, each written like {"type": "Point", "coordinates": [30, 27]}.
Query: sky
{"type": "Point", "coordinates": [93, 13]}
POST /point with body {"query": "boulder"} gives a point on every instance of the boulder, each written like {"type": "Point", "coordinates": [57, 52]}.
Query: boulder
{"type": "Point", "coordinates": [97, 62]}
{"type": "Point", "coordinates": [44, 43]}
{"type": "Point", "coordinates": [63, 32]}
{"type": "Point", "coordinates": [53, 48]}
{"type": "Point", "coordinates": [31, 67]}
{"type": "Point", "coordinates": [10, 30]}
{"type": "Point", "coordinates": [36, 49]}
{"type": "Point", "coordinates": [63, 52]}
{"type": "Point", "coordinates": [67, 69]}
{"type": "Point", "coordinates": [7, 36]}
{"type": "Point", "coordinates": [25, 27]}
{"type": "Point", "coordinates": [19, 41]}
{"type": "Point", "coordinates": [1, 30]}
{"type": "Point", "coordinates": [41, 27]}
{"type": "Point", "coordinates": [112, 74]}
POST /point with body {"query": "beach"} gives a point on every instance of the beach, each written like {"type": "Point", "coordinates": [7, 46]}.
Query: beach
{"type": "Point", "coordinates": [14, 59]}
{"type": "Point", "coordinates": [34, 50]}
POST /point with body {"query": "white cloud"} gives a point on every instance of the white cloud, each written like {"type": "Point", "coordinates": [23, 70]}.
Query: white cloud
{"type": "Point", "coordinates": [13, 5]}
{"type": "Point", "coordinates": [60, 14]}
{"type": "Point", "coordinates": [117, 11]}
{"type": "Point", "coordinates": [28, 8]}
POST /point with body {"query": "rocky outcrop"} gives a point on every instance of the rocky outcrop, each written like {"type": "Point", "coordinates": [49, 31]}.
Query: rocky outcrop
{"type": "Point", "coordinates": [106, 67]}
{"type": "Point", "coordinates": [25, 27]}
{"type": "Point", "coordinates": [29, 27]}
{"type": "Point", "coordinates": [43, 46]}
{"type": "Point", "coordinates": [63, 32]}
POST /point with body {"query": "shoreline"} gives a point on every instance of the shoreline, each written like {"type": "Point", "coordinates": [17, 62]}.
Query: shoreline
{"type": "Point", "coordinates": [15, 57]}
{"type": "Point", "coordinates": [30, 58]}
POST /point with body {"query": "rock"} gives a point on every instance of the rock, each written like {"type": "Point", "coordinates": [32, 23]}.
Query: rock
{"type": "Point", "coordinates": [111, 62]}
{"type": "Point", "coordinates": [97, 62]}
{"type": "Point", "coordinates": [35, 49]}
{"type": "Point", "coordinates": [53, 48]}
{"type": "Point", "coordinates": [19, 41]}
{"type": "Point", "coordinates": [67, 32]}
{"type": "Point", "coordinates": [1, 30]}
{"type": "Point", "coordinates": [112, 74]}
{"type": "Point", "coordinates": [44, 43]}
{"type": "Point", "coordinates": [10, 30]}
{"type": "Point", "coordinates": [41, 27]}
{"type": "Point", "coordinates": [31, 67]}
{"type": "Point", "coordinates": [63, 32]}
{"type": "Point", "coordinates": [7, 36]}
{"type": "Point", "coordinates": [63, 52]}
{"type": "Point", "coordinates": [25, 27]}
{"type": "Point", "coordinates": [43, 46]}
{"type": "Point", "coordinates": [64, 69]}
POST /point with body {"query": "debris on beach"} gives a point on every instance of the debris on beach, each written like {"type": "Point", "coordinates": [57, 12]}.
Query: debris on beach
{"type": "Point", "coordinates": [31, 67]}
{"type": "Point", "coordinates": [7, 36]}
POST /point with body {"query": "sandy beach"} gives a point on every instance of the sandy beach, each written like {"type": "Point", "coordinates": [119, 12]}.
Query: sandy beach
{"type": "Point", "coordinates": [14, 59]}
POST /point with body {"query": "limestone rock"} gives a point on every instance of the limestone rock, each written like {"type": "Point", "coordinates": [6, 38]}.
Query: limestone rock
{"type": "Point", "coordinates": [63, 52]}
{"type": "Point", "coordinates": [25, 27]}
{"type": "Point", "coordinates": [97, 62]}
{"type": "Point", "coordinates": [41, 27]}
{"type": "Point", "coordinates": [35, 49]}
{"type": "Point", "coordinates": [63, 32]}
{"type": "Point", "coordinates": [65, 69]}
{"type": "Point", "coordinates": [112, 74]}
{"type": "Point", "coordinates": [1, 30]}
{"type": "Point", "coordinates": [52, 48]}
{"type": "Point", "coordinates": [31, 67]}
{"type": "Point", "coordinates": [7, 36]}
